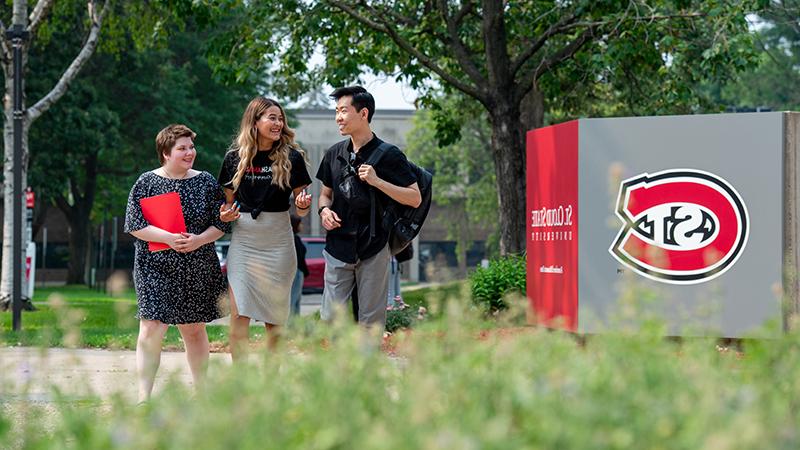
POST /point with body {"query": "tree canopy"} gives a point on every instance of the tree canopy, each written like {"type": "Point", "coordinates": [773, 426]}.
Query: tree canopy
{"type": "Point", "coordinates": [518, 60]}
{"type": "Point", "coordinates": [464, 180]}
{"type": "Point", "coordinates": [775, 82]}
{"type": "Point", "coordinates": [89, 148]}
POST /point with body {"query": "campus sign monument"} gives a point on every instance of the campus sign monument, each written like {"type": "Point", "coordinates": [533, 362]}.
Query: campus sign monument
{"type": "Point", "coordinates": [693, 217]}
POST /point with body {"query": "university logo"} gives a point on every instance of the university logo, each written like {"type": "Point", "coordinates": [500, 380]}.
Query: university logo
{"type": "Point", "coordinates": [680, 226]}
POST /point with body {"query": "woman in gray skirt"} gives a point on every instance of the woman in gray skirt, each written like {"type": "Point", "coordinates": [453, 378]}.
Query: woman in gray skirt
{"type": "Point", "coordinates": [261, 171]}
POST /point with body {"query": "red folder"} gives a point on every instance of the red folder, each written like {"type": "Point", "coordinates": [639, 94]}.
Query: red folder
{"type": "Point", "coordinates": [163, 211]}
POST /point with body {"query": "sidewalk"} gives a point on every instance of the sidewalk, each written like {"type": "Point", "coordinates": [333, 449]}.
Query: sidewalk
{"type": "Point", "coordinates": [29, 373]}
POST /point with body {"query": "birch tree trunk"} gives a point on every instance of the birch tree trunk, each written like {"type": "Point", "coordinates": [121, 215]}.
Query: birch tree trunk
{"type": "Point", "coordinates": [20, 17]}
{"type": "Point", "coordinates": [40, 13]}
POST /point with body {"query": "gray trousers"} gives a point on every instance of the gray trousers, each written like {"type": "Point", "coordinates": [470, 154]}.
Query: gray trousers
{"type": "Point", "coordinates": [372, 277]}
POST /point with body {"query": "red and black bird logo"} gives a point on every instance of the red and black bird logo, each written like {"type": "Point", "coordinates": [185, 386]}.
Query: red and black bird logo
{"type": "Point", "coordinates": [681, 226]}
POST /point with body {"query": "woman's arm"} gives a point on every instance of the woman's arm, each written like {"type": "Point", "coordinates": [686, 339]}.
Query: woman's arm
{"type": "Point", "coordinates": [155, 234]}
{"type": "Point", "coordinates": [189, 242]}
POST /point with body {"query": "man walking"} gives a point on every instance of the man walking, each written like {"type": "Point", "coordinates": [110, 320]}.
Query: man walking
{"type": "Point", "coordinates": [351, 202]}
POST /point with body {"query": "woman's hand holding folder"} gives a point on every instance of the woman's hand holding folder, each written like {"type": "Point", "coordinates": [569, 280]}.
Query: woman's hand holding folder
{"type": "Point", "coordinates": [153, 234]}
{"type": "Point", "coordinates": [188, 242]}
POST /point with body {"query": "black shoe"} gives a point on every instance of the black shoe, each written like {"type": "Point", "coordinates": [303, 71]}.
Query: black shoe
{"type": "Point", "coordinates": [27, 305]}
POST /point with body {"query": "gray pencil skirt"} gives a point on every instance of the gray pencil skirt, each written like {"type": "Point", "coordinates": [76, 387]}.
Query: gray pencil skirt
{"type": "Point", "coordinates": [261, 266]}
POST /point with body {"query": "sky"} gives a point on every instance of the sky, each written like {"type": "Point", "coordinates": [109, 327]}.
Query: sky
{"type": "Point", "coordinates": [390, 94]}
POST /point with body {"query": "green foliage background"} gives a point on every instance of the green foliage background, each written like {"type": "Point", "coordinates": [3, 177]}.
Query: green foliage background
{"type": "Point", "coordinates": [774, 82]}
{"type": "Point", "coordinates": [114, 109]}
{"type": "Point", "coordinates": [464, 176]}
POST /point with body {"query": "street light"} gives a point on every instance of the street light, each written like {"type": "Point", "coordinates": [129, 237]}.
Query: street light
{"type": "Point", "coordinates": [17, 35]}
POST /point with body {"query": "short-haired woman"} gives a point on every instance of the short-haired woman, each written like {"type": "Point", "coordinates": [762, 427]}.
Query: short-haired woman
{"type": "Point", "coordinates": [181, 285]}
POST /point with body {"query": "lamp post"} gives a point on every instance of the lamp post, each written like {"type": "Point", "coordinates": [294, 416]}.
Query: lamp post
{"type": "Point", "coordinates": [17, 35]}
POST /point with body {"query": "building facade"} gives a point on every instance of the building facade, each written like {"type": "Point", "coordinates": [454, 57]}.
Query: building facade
{"type": "Point", "coordinates": [435, 253]}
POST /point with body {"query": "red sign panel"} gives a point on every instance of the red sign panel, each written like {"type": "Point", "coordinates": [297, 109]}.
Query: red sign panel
{"type": "Point", "coordinates": [30, 198]}
{"type": "Point", "coordinates": [552, 224]}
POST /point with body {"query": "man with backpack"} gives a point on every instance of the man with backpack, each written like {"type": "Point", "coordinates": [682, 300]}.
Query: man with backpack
{"type": "Point", "coordinates": [361, 178]}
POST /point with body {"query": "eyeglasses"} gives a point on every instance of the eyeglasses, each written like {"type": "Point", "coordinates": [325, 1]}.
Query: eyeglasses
{"type": "Point", "coordinates": [350, 168]}
{"type": "Point", "coordinates": [348, 165]}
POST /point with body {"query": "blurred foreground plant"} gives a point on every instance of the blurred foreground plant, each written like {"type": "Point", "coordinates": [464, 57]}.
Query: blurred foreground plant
{"type": "Point", "coordinates": [455, 384]}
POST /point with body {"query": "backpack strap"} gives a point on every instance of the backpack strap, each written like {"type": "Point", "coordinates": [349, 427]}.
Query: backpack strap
{"type": "Point", "coordinates": [374, 159]}
{"type": "Point", "coordinates": [378, 153]}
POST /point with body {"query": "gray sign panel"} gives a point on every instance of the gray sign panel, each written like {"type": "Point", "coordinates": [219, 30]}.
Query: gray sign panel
{"type": "Point", "coordinates": [744, 150]}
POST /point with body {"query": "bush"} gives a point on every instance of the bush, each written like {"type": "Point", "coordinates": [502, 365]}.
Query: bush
{"type": "Point", "coordinates": [490, 285]}
{"type": "Point", "coordinates": [401, 315]}
{"type": "Point", "coordinates": [400, 318]}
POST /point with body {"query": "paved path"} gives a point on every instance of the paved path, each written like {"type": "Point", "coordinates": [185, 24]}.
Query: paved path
{"type": "Point", "coordinates": [27, 373]}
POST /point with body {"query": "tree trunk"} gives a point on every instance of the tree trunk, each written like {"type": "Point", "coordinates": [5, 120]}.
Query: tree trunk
{"type": "Point", "coordinates": [532, 109]}
{"type": "Point", "coordinates": [20, 16]}
{"type": "Point", "coordinates": [463, 236]}
{"type": "Point", "coordinates": [39, 215]}
{"type": "Point", "coordinates": [7, 266]}
{"type": "Point", "coordinates": [508, 151]}
{"type": "Point", "coordinates": [461, 257]}
{"type": "Point", "coordinates": [8, 189]}
{"type": "Point", "coordinates": [80, 226]}
{"type": "Point", "coordinates": [79, 231]}
{"type": "Point", "coordinates": [79, 240]}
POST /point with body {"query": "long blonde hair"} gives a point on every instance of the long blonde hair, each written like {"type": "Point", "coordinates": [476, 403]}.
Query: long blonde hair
{"type": "Point", "coordinates": [246, 144]}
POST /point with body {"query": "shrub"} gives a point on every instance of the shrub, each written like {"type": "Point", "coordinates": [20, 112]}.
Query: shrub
{"type": "Point", "coordinates": [402, 315]}
{"type": "Point", "coordinates": [399, 318]}
{"type": "Point", "coordinates": [489, 285]}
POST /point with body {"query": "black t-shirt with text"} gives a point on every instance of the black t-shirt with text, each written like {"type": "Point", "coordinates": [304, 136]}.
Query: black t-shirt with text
{"type": "Point", "coordinates": [256, 192]}
{"type": "Point", "coordinates": [352, 242]}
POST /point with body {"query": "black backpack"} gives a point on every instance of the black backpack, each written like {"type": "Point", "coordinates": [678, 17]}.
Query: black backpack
{"type": "Point", "coordinates": [404, 222]}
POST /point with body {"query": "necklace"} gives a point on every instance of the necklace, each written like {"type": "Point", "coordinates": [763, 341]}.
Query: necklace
{"type": "Point", "coordinates": [171, 177]}
{"type": "Point", "coordinates": [174, 180]}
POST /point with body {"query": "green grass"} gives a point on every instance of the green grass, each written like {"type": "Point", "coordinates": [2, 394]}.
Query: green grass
{"type": "Point", "coordinates": [459, 381]}
{"type": "Point", "coordinates": [76, 316]}
{"type": "Point", "coordinates": [437, 295]}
